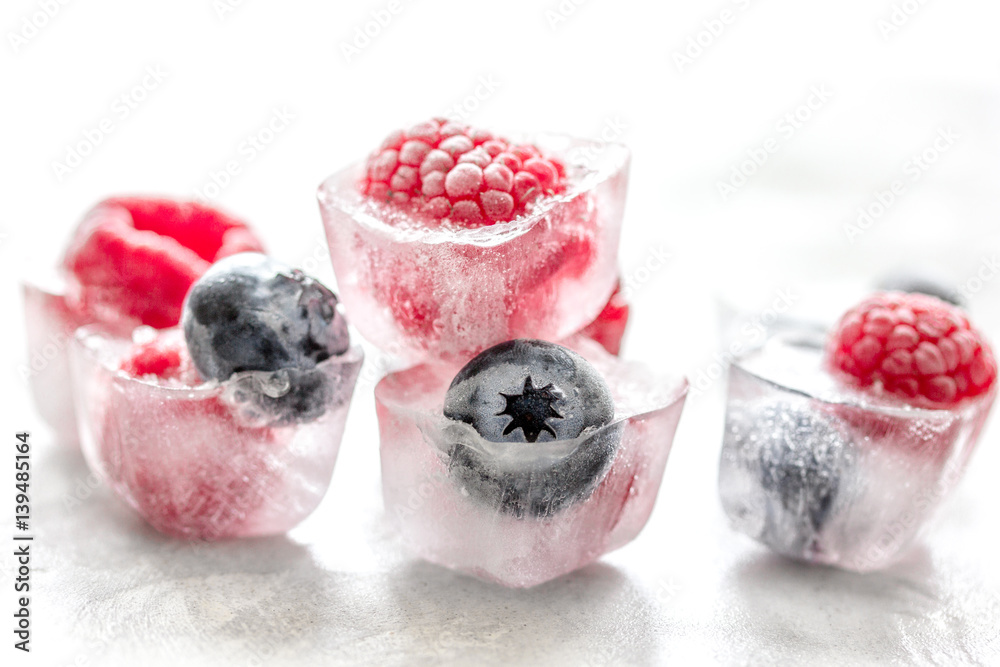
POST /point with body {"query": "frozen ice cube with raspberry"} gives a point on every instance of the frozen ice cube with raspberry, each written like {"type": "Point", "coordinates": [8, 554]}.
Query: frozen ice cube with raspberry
{"type": "Point", "coordinates": [530, 461]}
{"type": "Point", "coordinates": [449, 239]}
{"type": "Point", "coordinates": [838, 451]}
{"type": "Point", "coordinates": [130, 262]}
{"type": "Point", "coordinates": [230, 426]}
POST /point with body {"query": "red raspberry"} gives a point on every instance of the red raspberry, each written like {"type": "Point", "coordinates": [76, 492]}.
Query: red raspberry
{"type": "Point", "coordinates": [609, 327]}
{"type": "Point", "coordinates": [165, 357]}
{"type": "Point", "coordinates": [441, 170]}
{"type": "Point", "coordinates": [914, 347]}
{"type": "Point", "coordinates": [139, 256]}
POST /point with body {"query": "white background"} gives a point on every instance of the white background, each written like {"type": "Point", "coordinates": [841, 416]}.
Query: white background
{"type": "Point", "coordinates": [108, 591]}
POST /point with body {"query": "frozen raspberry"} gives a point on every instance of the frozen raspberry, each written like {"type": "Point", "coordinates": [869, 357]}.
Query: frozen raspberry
{"type": "Point", "coordinates": [912, 346]}
{"type": "Point", "coordinates": [139, 256]}
{"type": "Point", "coordinates": [609, 327]}
{"type": "Point", "coordinates": [444, 170]}
{"type": "Point", "coordinates": [165, 357]}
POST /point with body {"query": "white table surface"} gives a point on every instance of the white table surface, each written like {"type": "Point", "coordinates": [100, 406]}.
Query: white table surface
{"type": "Point", "coordinates": [106, 590]}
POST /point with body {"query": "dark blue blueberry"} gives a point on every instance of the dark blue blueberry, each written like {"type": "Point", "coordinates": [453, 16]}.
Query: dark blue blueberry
{"type": "Point", "coordinates": [922, 282]}
{"type": "Point", "coordinates": [252, 313]}
{"type": "Point", "coordinates": [804, 465]}
{"type": "Point", "coordinates": [524, 393]}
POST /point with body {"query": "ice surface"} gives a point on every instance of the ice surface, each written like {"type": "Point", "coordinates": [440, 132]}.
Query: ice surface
{"type": "Point", "coordinates": [427, 489]}
{"type": "Point", "coordinates": [206, 461]}
{"type": "Point", "coordinates": [826, 473]}
{"type": "Point", "coordinates": [424, 294]}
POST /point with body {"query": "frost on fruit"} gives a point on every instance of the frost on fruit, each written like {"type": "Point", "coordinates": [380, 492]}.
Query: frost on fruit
{"type": "Point", "coordinates": [914, 347]}
{"type": "Point", "coordinates": [252, 313]}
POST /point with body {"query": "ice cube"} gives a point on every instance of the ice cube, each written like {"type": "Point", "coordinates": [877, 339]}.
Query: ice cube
{"type": "Point", "coordinates": [829, 474]}
{"type": "Point", "coordinates": [427, 293]}
{"type": "Point", "coordinates": [609, 327]}
{"type": "Point", "coordinates": [448, 514]}
{"type": "Point", "coordinates": [51, 317]}
{"type": "Point", "coordinates": [204, 461]}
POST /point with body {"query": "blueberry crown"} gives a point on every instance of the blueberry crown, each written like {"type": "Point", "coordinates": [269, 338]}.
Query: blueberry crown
{"type": "Point", "coordinates": [530, 410]}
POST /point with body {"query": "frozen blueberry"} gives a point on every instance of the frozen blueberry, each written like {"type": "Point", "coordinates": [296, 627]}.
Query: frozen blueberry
{"type": "Point", "coordinates": [804, 463]}
{"type": "Point", "coordinates": [522, 394]}
{"type": "Point", "coordinates": [249, 312]}
{"type": "Point", "coordinates": [922, 282]}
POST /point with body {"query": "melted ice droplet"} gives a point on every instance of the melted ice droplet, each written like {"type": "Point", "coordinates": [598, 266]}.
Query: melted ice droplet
{"type": "Point", "coordinates": [276, 384]}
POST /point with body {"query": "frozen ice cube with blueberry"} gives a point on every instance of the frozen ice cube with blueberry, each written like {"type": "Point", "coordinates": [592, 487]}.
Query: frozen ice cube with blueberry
{"type": "Point", "coordinates": [532, 460]}
{"type": "Point", "coordinates": [231, 425]}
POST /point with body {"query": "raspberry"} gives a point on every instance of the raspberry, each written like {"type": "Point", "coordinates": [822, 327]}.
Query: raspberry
{"type": "Point", "coordinates": [164, 357]}
{"type": "Point", "coordinates": [609, 327]}
{"type": "Point", "coordinates": [914, 347]}
{"type": "Point", "coordinates": [441, 170]}
{"type": "Point", "coordinates": [139, 256]}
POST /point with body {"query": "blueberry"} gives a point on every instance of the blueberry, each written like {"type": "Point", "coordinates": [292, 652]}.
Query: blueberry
{"type": "Point", "coordinates": [922, 282]}
{"type": "Point", "coordinates": [803, 464]}
{"type": "Point", "coordinates": [523, 393]}
{"type": "Point", "coordinates": [249, 312]}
